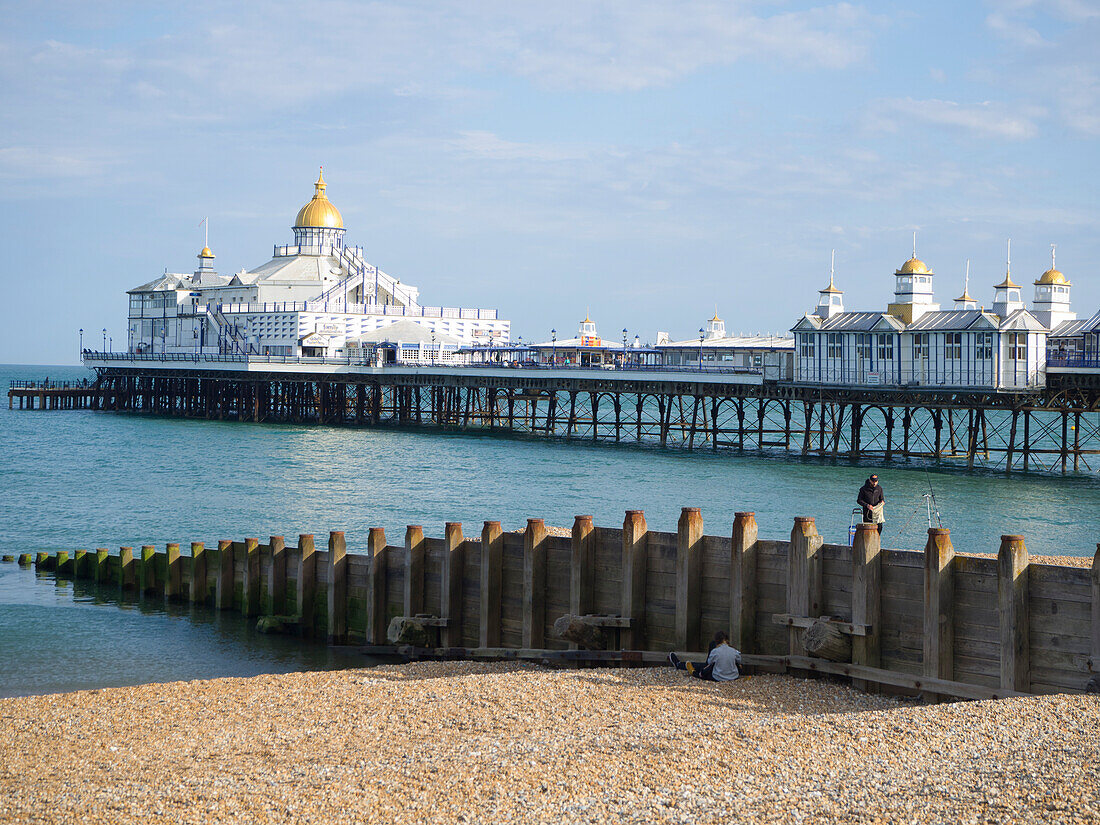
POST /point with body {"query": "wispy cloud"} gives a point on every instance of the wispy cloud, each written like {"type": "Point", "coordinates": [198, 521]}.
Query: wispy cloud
{"type": "Point", "coordinates": [980, 119]}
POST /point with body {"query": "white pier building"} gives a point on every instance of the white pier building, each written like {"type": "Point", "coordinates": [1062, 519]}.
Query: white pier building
{"type": "Point", "coordinates": [309, 299]}
{"type": "Point", "coordinates": [914, 343]}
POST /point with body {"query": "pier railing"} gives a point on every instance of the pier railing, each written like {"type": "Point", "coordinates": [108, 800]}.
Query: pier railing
{"type": "Point", "coordinates": [924, 621]}
{"type": "Point", "coordinates": [49, 385]}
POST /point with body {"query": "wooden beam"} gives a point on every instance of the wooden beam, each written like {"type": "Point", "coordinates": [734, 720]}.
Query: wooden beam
{"type": "Point", "coordinates": [492, 557]}
{"type": "Point", "coordinates": [414, 570]}
{"type": "Point", "coordinates": [1094, 662]}
{"type": "Point", "coordinates": [307, 582]}
{"type": "Point", "coordinates": [275, 586]}
{"type": "Point", "coordinates": [337, 626]}
{"type": "Point", "coordinates": [1012, 596]}
{"type": "Point", "coordinates": [803, 577]}
{"type": "Point", "coordinates": [581, 584]}
{"type": "Point", "coordinates": [851, 628]}
{"type": "Point", "coordinates": [633, 570]}
{"type": "Point", "coordinates": [174, 575]}
{"type": "Point", "coordinates": [223, 597]}
{"type": "Point", "coordinates": [689, 578]}
{"type": "Point", "coordinates": [198, 587]}
{"type": "Point", "coordinates": [743, 553]}
{"type": "Point", "coordinates": [375, 631]}
{"type": "Point", "coordinates": [250, 589]}
{"type": "Point", "coordinates": [454, 561]}
{"type": "Point", "coordinates": [866, 598]}
{"type": "Point", "coordinates": [534, 583]}
{"type": "Point", "coordinates": [939, 605]}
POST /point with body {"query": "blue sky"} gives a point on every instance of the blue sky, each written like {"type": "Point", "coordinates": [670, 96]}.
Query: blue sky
{"type": "Point", "coordinates": [645, 160]}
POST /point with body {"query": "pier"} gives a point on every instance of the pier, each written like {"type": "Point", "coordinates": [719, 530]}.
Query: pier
{"type": "Point", "coordinates": [54, 395]}
{"type": "Point", "coordinates": [1050, 429]}
{"type": "Point", "coordinates": [931, 621]}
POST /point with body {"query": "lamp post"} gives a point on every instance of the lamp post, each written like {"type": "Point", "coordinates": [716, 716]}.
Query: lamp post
{"type": "Point", "coordinates": [553, 347]}
{"type": "Point", "coordinates": [105, 339]}
{"type": "Point", "coordinates": [702, 335]}
{"type": "Point", "coordinates": [82, 340]}
{"type": "Point", "coordinates": [491, 346]}
{"type": "Point", "coordinates": [111, 344]}
{"type": "Point", "coordinates": [624, 347]}
{"type": "Point", "coordinates": [433, 346]}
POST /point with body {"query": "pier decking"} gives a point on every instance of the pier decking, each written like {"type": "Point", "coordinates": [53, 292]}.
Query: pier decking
{"type": "Point", "coordinates": [54, 395]}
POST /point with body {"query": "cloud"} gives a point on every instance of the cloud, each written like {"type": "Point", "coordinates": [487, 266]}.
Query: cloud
{"type": "Point", "coordinates": [980, 119]}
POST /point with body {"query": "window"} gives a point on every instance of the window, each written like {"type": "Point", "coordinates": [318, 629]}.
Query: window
{"type": "Point", "coordinates": [984, 346]}
{"type": "Point", "coordinates": [1017, 345]}
{"type": "Point", "coordinates": [806, 346]}
{"type": "Point", "coordinates": [886, 347]}
{"type": "Point", "coordinates": [835, 343]}
{"type": "Point", "coordinates": [953, 346]}
{"type": "Point", "coordinates": [864, 347]}
{"type": "Point", "coordinates": [920, 346]}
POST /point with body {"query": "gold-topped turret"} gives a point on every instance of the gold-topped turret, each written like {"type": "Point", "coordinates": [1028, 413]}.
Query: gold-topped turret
{"type": "Point", "coordinates": [319, 213]}
{"type": "Point", "coordinates": [914, 266]}
{"type": "Point", "coordinates": [206, 253]}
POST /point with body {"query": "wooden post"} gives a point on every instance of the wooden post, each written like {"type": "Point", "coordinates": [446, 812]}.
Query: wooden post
{"type": "Point", "coordinates": [223, 594]}
{"type": "Point", "coordinates": [803, 578]}
{"type": "Point", "coordinates": [743, 552]}
{"type": "Point", "coordinates": [102, 569]}
{"type": "Point", "coordinates": [126, 577]}
{"type": "Point", "coordinates": [276, 576]}
{"type": "Point", "coordinates": [689, 579]}
{"type": "Point", "coordinates": [307, 582]}
{"type": "Point", "coordinates": [147, 575]}
{"type": "Point", "coordinates": [250, 587]}
{"type": "Point", "coordinates": [534, 584]}
{"type": "Point", "coordinates": [939, 605]}
{"type": "Point", "coordinates": [454, 561]}
{"type": "Point", "coordinates": [414, 570]}
{"type": "Point", "coordinates": [866, 598]}
{"type": "Point", "coordinates": [337, 588]}
{"type": "Point", "coordinates": [80, 564]}
{"type": "Point", "coordinates": [62, 565]}
{"type": "Point", "coordinates": [492, 556]}
{"type": "Point", "coordinates": [198, 572]}
{"type": "Point", "coordinates": [635, 547]}
{"type": "Point", "coordinates": [1012, 593]}
{"type": "Point", "coordinates": [173, 577]}
{"type": "Point", "coordinates": [1094, 661]}
{"type": "Point", "coordinates": [375, 632]}
{"type": "Point", "coordinates": [581, 585]}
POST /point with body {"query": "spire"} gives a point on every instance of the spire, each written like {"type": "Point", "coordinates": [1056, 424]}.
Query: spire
{"type": "Point", "coordinates": [1053, 249]}
{"type": "Point", "coordinates": [831, 288]}
{"type": "Point", "coordinates": [965, 297]}
{"type": "Point", "coordinates": [320, 181]}
{"type": "Point", "coordinates": [1007, 282]}
{"type": "Point", "coordinates": [914, 243]}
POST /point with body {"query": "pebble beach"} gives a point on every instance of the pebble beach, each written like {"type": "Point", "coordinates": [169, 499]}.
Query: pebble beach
{"type": "Point", "coordinates": [470, 742]}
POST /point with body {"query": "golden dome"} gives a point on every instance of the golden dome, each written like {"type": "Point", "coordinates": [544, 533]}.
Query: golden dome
{"type": "Point", "coordinates": [914, 266]}
{"type": "Point", "coordinates": [319, 212]}
{"type": "Point", "coordinates": [206, 253]}
{"type": "Point", "coordinates": [1051, 277]}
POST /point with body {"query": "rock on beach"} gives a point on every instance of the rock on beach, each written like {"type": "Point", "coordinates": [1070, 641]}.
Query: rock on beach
{"type": "Point", "coordinates": [469, 742]}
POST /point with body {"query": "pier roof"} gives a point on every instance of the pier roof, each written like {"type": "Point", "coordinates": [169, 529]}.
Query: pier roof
{"type": "Point", "coordinates": [404, 332]}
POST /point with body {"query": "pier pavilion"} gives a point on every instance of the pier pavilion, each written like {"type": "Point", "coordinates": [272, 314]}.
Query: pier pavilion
{"type": "Point", "coordinates": [309, 299]}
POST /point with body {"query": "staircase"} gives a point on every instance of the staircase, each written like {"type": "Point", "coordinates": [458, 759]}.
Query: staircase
{"type": "Point", "coordinates": [231, 340]}
{"type": "Point", "coordinates": [360, 274]}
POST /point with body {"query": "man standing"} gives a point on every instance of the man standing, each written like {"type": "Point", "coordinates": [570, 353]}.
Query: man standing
{"type": "Point", "coordinates": [871, 499]}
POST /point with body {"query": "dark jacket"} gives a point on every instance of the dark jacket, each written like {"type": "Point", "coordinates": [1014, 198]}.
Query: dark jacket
{"type": "Point", "coordinates": [869, 496]}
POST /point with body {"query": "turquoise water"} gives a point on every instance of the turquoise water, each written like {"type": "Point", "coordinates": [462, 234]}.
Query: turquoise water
{"type": "Point", "coordinates": [81, 479]}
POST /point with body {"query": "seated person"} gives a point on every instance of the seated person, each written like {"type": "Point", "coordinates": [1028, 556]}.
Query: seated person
{"type": "Point", "coordinates": [723, 663]}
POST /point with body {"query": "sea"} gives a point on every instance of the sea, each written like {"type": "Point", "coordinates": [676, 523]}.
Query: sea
{"type": "Point", "coordinates": [83, 479]}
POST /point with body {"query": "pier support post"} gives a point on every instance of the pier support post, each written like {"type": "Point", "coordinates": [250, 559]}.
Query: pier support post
{"type": "Point", "coordinates": [307, 582]}
{"type": "Point", "coordinates": [492, 558]}
{"type": "Point", "coordinates": [534, 584]}
{"type": "Point", "coordinates": [803, 578]}
{"type": "Point", "coordinates": [414, 570]}
{"type": "Point", "coordinates": [275, 586]}
{"type": "Point", "coordinates": [743, 552]}
{"type": "Point", "coordinates": [127, 579]}
{"type": "Point", "coordinates": [223, 598]}
{"type": "Point", "coordinates": [198, 588]}
{"type": "Point", "coordinates": [689, 579]}
{"type": "Point", "coordinates": [337, 631]}
{"type": "Point", "coordinates": [147, 574]}
{"type": "Point", "coordinates": [1012, 593]}
{"type": "Point", "coordinates": [102, 572]}
{"type": "Point", "coordinates": [939, 605]}
{"type": "Point", "coordinates": [172, 571]}
{"type": "Point", "coordinates": [454, 562]}
{"type": "Point", "coordinates": [866, 598]}
{"type": "Point", "coordinates": [250, 584]}
{"type": "Point", "coordinates": [635, 552]}
{"type": "Point", "coordinates": [375, 632]}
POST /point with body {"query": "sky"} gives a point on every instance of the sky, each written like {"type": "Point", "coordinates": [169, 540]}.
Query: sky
{"type": "Point", "coordinates": [644, 161]}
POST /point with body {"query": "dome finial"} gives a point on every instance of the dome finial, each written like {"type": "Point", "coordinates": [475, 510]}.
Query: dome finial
{"type": "Point", "coordinates": [319, 212]}
{"type": "Point", "coordinates": [1053, 249]}
{"type": "Point", "coordinates": [914, 243]}
{"type": "Point", "coordinates": [320, 180]}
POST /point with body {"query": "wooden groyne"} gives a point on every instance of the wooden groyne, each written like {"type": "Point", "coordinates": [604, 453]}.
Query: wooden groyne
{"type": "Point", "coordinates": [930, 621]}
